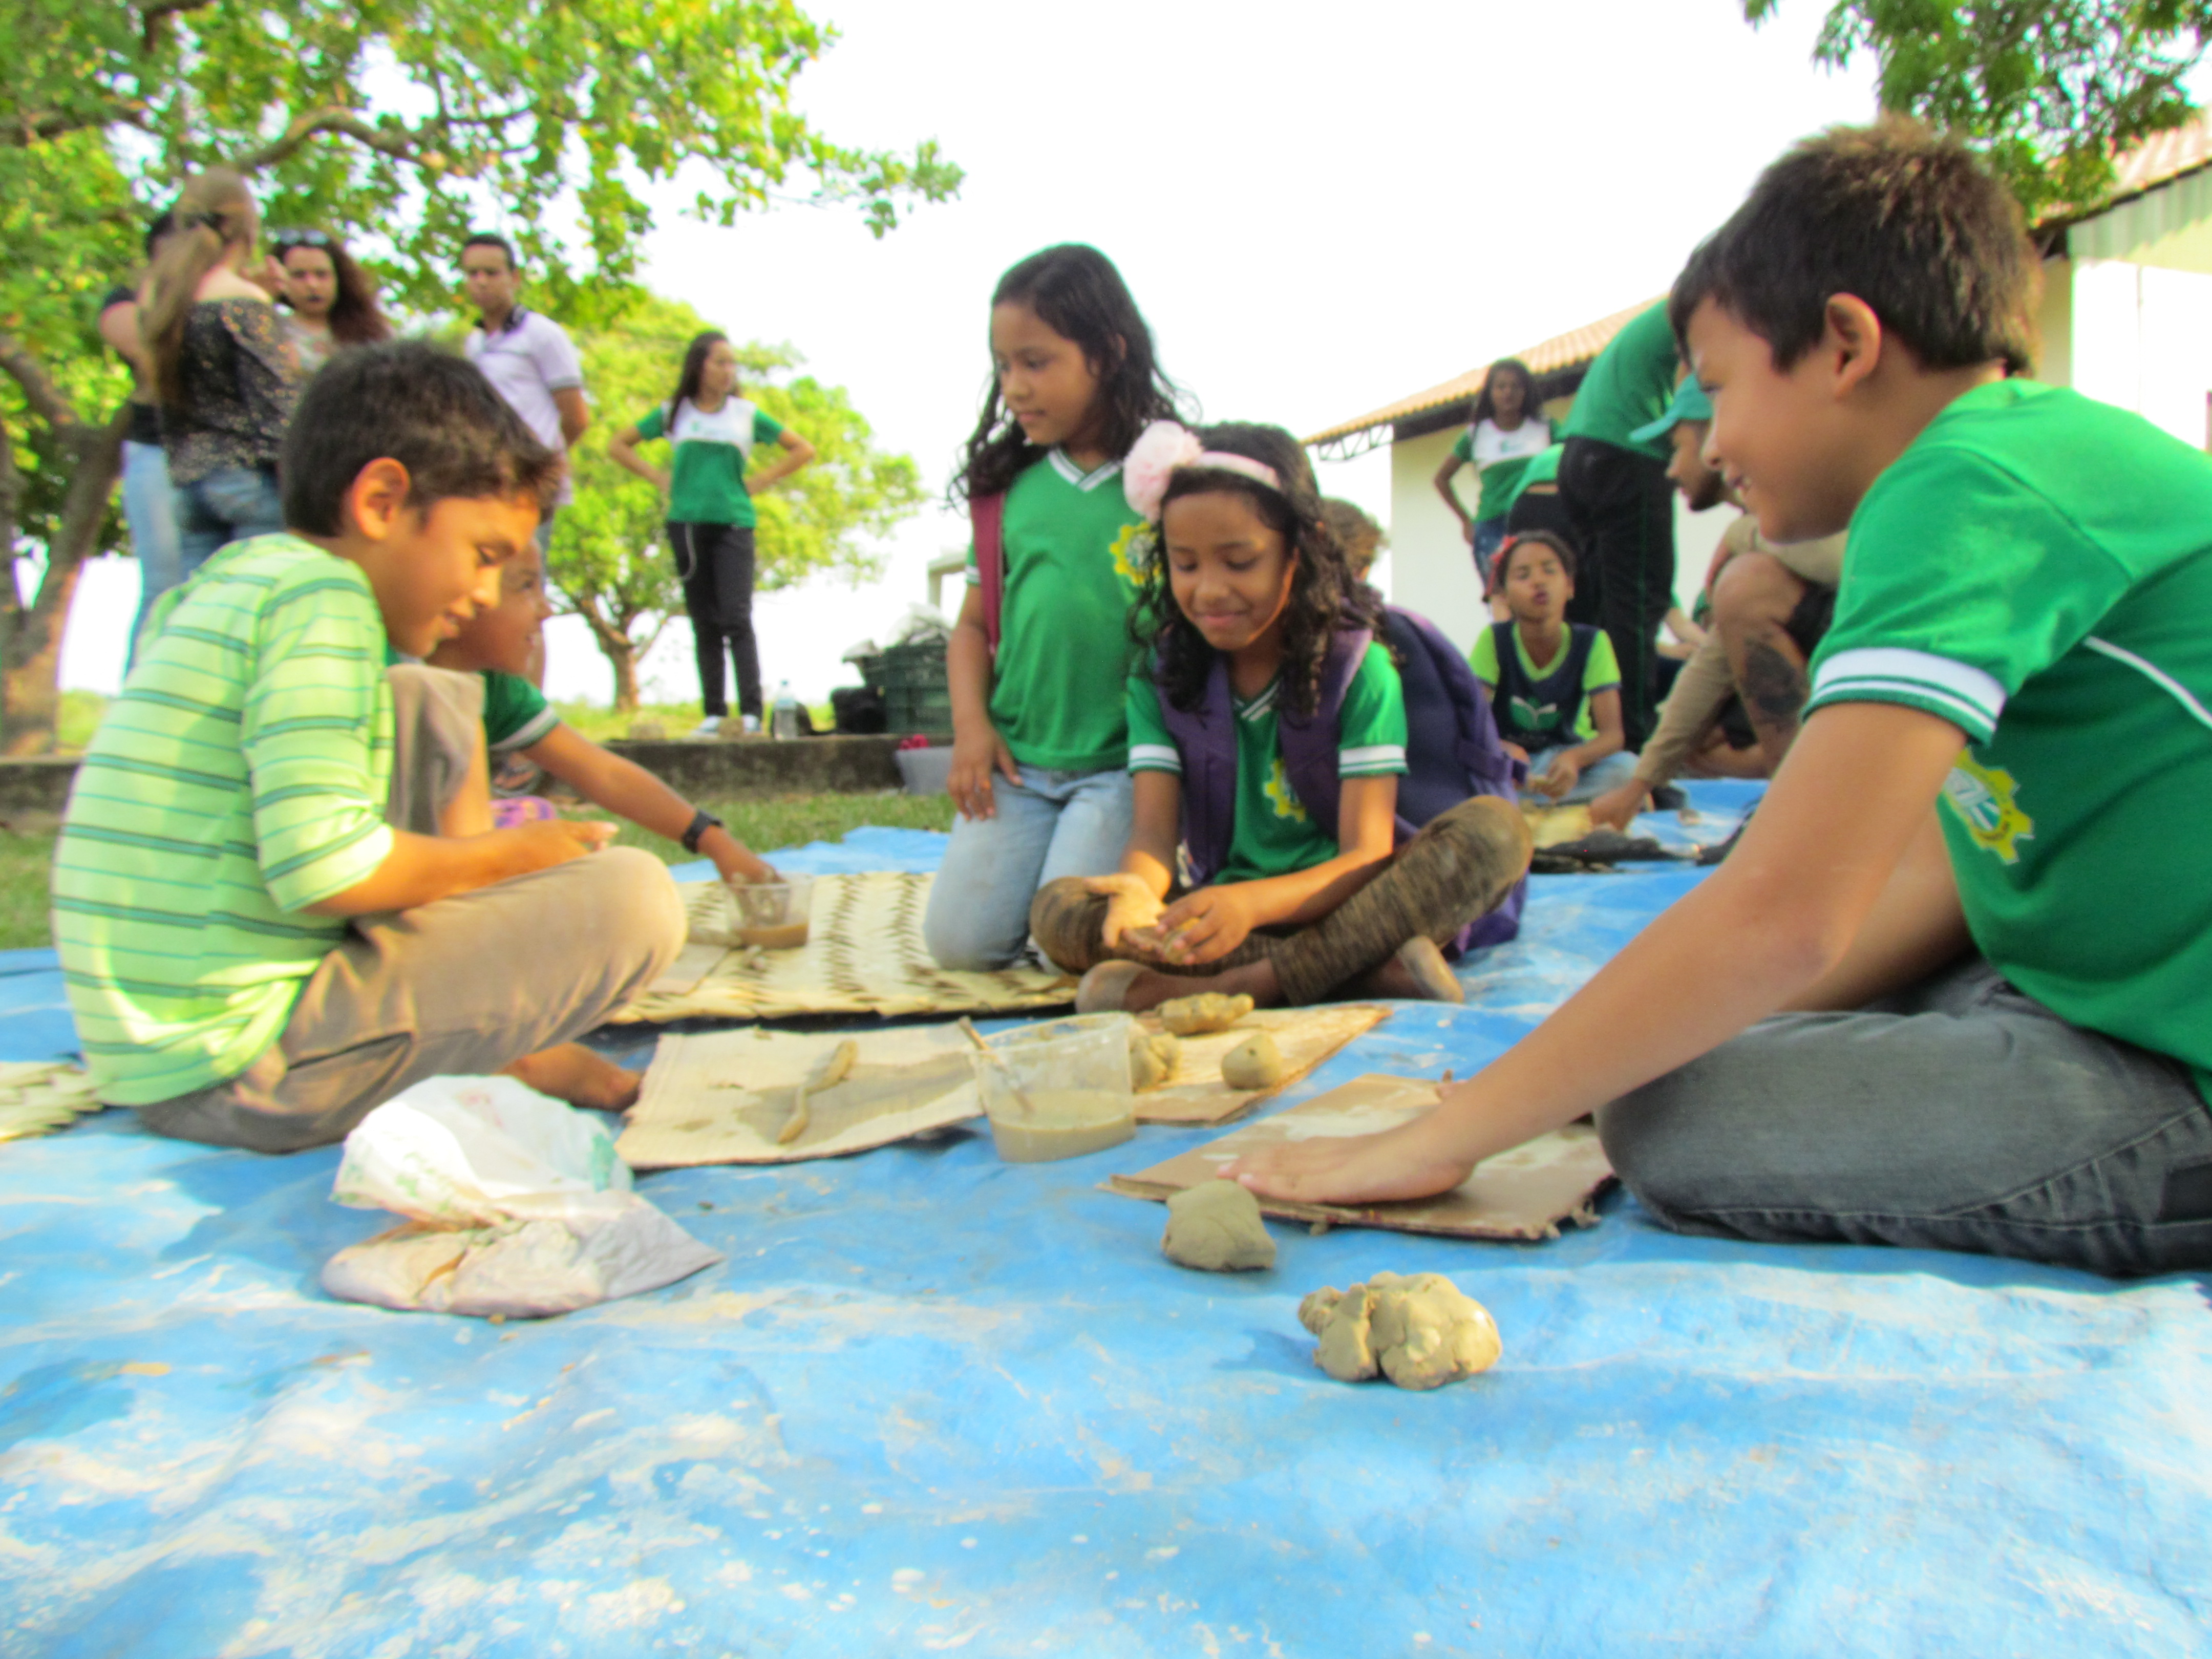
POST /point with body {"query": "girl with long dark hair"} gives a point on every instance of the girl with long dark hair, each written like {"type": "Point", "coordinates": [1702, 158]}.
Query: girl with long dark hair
{"type": "Point", "coordinates": [1505, 430]}
{"type": "Point", "coordinates": [711, 517]}
{"type": "Point", "coordinates": [1268, 741]}
{"type": "Point", "coordinates": [1038, 656]}
{"type": "Point", "coordinates": [332, 300]}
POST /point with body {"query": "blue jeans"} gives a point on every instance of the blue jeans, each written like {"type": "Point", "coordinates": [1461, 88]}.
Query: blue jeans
{"type": "Point", "coordinates": [1958, 1115]}
{"type": "Point", "coordinates": [1052, 825]}
{"type": "Point", "coordinates": [149, 509]}
{"type": "Point", "coordinates": [225, 507]}
{"type": "Point", "coordinates": [1489, 537]}
{"type": "Point", "coordinates": [1615, 768]}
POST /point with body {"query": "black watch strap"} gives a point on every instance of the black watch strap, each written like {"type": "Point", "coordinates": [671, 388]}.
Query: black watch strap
{"type": "Point", "coordinates": [701, 822]}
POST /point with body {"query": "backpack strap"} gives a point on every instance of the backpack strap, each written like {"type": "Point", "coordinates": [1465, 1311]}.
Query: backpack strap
{"type": "Point", "coordinates": [1206, 742]}
{"type": "Point", "coordinates": [987, 521]}
{"type": "Point", "coordinates": [1310, 742]}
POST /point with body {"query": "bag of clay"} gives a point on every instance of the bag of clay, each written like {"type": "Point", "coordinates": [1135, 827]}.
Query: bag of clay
{"type": "Point", "coordinates": [517, 1206]}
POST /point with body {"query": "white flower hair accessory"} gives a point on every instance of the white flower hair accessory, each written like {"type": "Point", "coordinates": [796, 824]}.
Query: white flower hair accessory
{"type": "Point", "coordinates": [1160, 448]}
{"type": "Point", "coordinates": [1164, 447]}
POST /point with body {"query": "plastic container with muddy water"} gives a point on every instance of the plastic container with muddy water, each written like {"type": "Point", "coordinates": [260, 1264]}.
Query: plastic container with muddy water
{"type": "Point", "coordinates": [772, 914]}
{"type": "Point", "coordinates": [1058, 1090]}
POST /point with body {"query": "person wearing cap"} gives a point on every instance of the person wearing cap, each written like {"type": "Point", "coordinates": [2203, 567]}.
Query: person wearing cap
{"type": "Point", "coordinates": [1735, 707]}
{"type": "Point", "coordinates": [1613, 484]}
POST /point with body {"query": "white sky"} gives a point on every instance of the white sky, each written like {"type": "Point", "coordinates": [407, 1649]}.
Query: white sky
{"type": "Point", "coordinates": [1319, 208]}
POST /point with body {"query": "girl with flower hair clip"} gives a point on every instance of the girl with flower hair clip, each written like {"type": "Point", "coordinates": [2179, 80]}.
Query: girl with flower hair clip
{"type": "Point", "coordinates": [1039, 657]}
{"type": "Point", "coordinates": [1269, 740]}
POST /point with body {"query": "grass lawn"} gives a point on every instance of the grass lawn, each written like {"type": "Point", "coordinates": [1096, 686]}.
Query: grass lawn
{"type": "Point", "coordinates": [781, 821]}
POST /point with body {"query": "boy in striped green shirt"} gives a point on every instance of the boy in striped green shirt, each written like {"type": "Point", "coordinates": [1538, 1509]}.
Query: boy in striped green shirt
{"type": "Point", "coordinates": [253, 956]}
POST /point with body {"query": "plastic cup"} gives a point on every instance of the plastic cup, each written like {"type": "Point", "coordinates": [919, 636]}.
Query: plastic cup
{"type": "Point", "coordinates": [1058, 1090]}
{"type": "Point", "coordinates": [772, 914]}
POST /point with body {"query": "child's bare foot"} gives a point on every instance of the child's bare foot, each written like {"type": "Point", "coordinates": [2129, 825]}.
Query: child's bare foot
{"type": "Point", "coordinates": [1133, 987]}
{"type": "Point", "coordinates": [570, 1071]}
{"type": "Point", "coordinates": [1416, 973]}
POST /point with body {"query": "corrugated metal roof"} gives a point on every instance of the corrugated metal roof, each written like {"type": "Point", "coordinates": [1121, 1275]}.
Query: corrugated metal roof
{"type": "Point", "coordinates": [2157, 160]}
{"type": "Point", "coordinates": [1576, 345]}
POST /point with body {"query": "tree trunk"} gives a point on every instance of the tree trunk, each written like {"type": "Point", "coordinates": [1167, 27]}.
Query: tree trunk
{"type": "Point", "coordinates": [617, 647]}
{"type": "Point", "coordinates": [31, 650]}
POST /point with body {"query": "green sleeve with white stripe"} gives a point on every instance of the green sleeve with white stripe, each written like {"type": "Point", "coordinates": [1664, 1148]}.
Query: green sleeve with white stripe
{"type": "Point", "coordinates": [1371, 731]}
{"type": "Point", "coordinates": [1961, 581]}
{"type": "Point", "coordinates": [309, 731]}
{"type": "Point", "coordinates": [1152, 749]}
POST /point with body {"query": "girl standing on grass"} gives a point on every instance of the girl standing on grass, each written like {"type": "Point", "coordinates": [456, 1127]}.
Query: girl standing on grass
{"type": "Point", "coordinates": [1268, 740]}
{"type": "Point", "coordinates": [1038, 659]}
{"type": "Point", "coordinates": [711, 517]}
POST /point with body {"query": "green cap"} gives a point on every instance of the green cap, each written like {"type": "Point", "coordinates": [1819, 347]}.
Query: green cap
{"type": "Point", "coordinates": [1690, 404]}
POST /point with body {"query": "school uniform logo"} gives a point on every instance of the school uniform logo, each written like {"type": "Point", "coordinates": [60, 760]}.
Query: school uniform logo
{"type": "Point", "coordinates": [1531, 716]}
{"type": "Point", "coordinates": [1984, 797]}
{"type": "Point", "coordinates": [1280, 794]}
{"type": "Point", "coordinates": [1133, 551]}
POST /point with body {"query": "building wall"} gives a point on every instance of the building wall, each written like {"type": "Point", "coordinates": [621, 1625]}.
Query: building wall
{"type": "Point", "coordinates": [2140, 338]}
{"type": "Point", "coordinates": [1431, 569]}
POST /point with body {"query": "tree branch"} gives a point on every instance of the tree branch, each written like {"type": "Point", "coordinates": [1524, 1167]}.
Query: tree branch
{"type": "Point", "coordinates": [46, 400]}
{"type": "Point", "coordinates": [156, 12]}
{"type": "Point", "coordinates": [30, 130]}
{"type": "Point", "coordinates": [400, 145]}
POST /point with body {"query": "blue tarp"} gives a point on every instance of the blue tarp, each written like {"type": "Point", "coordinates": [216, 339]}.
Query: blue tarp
{"type": "Point", "coordinates": [933, 1402]}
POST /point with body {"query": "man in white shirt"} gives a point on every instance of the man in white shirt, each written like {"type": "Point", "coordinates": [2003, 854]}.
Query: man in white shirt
{"type": "Point", "coordinates": [525, 354]}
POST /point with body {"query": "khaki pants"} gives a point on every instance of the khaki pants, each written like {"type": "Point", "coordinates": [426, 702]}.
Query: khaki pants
{"type": "Point", "coordinates": [467, 985]}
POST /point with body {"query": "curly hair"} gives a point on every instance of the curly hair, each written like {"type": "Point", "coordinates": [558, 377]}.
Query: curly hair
{"type": "Point", "coordinates": [1077, 293]}
{"type": "Point", "coordinates": [355, 318]}
{"type": "Point", "coordinates": [1325, 597]}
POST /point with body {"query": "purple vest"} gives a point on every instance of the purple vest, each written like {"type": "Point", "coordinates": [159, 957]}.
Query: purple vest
{"type": "Point", "coordinates": [1452, 752]}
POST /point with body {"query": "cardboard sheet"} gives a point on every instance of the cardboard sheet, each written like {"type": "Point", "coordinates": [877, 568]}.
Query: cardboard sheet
{"type": "Point", "coordinates": [1528, 1193]}
{"type": "Point", "coordinates": [724, 1096]}
{"type": "Point", "coordinates": [864, 956]}
{"type": "Point", "coordinates": [1306, 1036]}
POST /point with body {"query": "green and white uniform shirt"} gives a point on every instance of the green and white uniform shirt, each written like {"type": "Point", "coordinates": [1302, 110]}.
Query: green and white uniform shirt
{"type": "Point", "coordinates": [707, 480]}
{"type": "Point", "coordinates": [242, 776]}
{"type": "Point", "coordinates": [1500, 458]}
{"type": "Point", "coordinates": [1064, 651]}
{"type": "Point", "coordinates": [1275, 835]}
{"type": "Point", "coordinates": [2037, 569]}
{"type": "Point", "coordinates": [516, 713]}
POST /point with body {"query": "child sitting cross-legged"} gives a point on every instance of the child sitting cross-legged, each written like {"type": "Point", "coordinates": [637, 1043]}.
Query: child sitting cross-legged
{"type": "Point", "coordinates": [1554, 685]}
{"type": "Point", "coordinates": [255, 957]}
{"type": "Point", "coordinates": [1950, 991]}
{"type": "Point", "coordinates": [1268, 736]}
{"type": "Point", "coordinates": [496, 643]}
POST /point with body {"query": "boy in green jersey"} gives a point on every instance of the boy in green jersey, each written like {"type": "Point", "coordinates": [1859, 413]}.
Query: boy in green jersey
{"type": "Point", "coordinates": [255, 957]}
{"type": "Point", "coordinates": [1968, 920]}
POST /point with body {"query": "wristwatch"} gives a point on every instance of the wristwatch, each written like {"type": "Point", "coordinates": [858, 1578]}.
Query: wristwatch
{"type": "Point", "coordinates": [701, 822]}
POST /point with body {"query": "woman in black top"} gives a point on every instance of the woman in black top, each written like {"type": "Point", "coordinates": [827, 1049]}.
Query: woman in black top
{"type": "Point", "coordinates": [225, 375]}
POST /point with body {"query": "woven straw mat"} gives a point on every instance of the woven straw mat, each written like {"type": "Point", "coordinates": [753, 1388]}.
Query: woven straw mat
{"type": "Point", "coordinates": [864, 956]}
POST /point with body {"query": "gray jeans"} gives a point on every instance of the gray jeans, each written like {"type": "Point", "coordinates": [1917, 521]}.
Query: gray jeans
{"type": "Point", "coordinates": [1958, 1115]}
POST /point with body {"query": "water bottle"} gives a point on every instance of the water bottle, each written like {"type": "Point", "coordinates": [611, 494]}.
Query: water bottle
{"type": "Point", "coordinates": [787, 711]}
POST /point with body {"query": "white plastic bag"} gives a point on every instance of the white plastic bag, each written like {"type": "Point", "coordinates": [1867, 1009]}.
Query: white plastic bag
{"type": "Point", "coordinates": [454, 1150]}
{"type": "Point", "coordinates": [518, 1207]}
